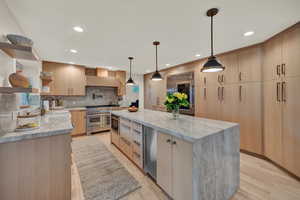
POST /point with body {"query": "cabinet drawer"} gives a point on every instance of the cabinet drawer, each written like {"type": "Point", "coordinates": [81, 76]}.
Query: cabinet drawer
{"type": "Point", "coordinates": [125, 146]}
{"type": "Point", "coordinates": [125, 131]}
{"type": "Point", "coordinates": [136, 126]}
{"type": "Point", "coordinates": [137, 136]}
{"type": "Point", "coordinates": [137, 159]}
{"type": "Point", "coordinates": [137, 147]}
{"type": "Point", "coordinates": [125, 122]}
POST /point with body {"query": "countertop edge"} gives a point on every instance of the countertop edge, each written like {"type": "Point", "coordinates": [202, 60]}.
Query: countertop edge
{"type": "Point", "coordinates": [34, 136]}
{"type": "Point", "coordinates": [171, 132]}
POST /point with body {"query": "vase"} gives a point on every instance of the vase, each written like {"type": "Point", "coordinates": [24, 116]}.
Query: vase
{"type": "Point", "coordinates": [175, 113]}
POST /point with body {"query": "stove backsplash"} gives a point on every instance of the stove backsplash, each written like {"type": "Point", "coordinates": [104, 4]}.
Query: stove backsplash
{"type": "Point", "coordinates": [94, 96]}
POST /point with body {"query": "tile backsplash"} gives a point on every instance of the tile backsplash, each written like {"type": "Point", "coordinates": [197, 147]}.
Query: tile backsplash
{"type": "Point", "coordinates": [94, 96]}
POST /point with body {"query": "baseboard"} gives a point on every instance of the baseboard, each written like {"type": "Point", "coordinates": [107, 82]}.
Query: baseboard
{"type": "Point", "coordinates": [271, 161]}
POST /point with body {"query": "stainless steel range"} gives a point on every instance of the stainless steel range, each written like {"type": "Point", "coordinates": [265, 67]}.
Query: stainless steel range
{"type": "Point", "coordinates": [98, 119]}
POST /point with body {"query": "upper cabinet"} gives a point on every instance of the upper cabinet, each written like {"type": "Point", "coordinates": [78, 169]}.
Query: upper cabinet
{"type": "Point", "coordinates": [282, 55]}
{"type": "Point", "coordinates": [230, 74]}
{"type": "Point", "coordinates": [272, 52]}
{"type": "Point", "coordinates": [121, 76]}
{"type": "Point", "coordinates": [67, 80]}
{"type": "Point", "coordinates": [250, 64]}
{"type": "Point", "coordinates": [291, 53]}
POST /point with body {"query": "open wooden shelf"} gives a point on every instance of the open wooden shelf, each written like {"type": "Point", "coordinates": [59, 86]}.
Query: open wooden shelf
{"type": "Point", "coordinates": [10, 90]}
{"type": "Point", "coordinates": [17, 51]}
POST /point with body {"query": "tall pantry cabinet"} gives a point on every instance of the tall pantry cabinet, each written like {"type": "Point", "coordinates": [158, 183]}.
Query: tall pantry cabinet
{"type": "Point", "coordinates": [281, 93]}
{"type": "Point", "coordinates": [235, 95]}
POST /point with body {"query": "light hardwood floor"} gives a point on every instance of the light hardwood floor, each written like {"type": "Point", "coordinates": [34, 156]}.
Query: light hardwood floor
{"type": "Point", "coordinates": [260, 180]}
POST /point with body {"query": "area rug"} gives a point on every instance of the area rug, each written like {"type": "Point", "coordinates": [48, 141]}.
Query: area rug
{"type": "Point", "coordinates": [102, 176]}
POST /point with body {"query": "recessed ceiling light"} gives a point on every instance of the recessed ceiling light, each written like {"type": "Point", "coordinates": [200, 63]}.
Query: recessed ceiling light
{"type": "Point", "coordinates": [78, 29]}
{"type": "Point", "coordinates": [73, 51]}
{"type": "Point", "coordinates": [167, 65]}
{"type": "Point", "coordinates": [197, 55]}
{"type": "Point", "coordinates": [248, 33]}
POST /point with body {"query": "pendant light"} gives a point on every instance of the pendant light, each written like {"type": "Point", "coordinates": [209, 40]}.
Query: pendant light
{"type": "Point", "coordinates": [130, 81]}
{"type": "Point", "coordinates": [156, 76]}
{"type": "Point", "coordinates": [212, 64]}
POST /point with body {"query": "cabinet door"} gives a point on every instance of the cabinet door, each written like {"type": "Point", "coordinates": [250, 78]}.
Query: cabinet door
{"type": "Point", "coordinates": [272, 58]}
{"type": "Point", "coordinates": [59, 85]}
{"type": "Point", "coordinates": [272, 121]}
{"type": "Point", "coordinates": [250, 63]}
{"type": "Point", "coordinates": [291, 52]}
{"type": "Point", "coordinates": [250, 117]}
{"type": "Point", "coordinates": [230, 62]}
{"type": "Point", "coordinates": [182, 169]}
{"type": "Point", "coordinates": [208, 104]}
{"type": "Point", "coordinates": [164, 162]}
{"type": "Point", "coordinates": [229, 101]}
{"type": "Point", "coordinates": [291, 125]}
{"type": "Point", "coordinates": [77, 80]}
{"type": "Point", "coordinates": [79, 122]}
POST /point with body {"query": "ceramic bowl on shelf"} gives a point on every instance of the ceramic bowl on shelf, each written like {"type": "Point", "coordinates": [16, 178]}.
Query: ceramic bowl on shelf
{"type": "Point", "coordinates": [19, 40]}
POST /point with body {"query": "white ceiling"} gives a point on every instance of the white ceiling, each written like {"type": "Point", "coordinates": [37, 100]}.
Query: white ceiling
{"type": "Point", "coordinates": [116, 29]}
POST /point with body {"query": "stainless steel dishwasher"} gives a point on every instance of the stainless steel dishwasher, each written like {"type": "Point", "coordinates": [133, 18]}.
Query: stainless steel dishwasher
{"type": "Point", "coordinates": [150, 149]}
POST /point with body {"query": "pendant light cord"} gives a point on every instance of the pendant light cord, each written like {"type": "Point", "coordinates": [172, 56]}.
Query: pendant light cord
{"type": "Point", "coordinates": [130, 67]}
{"type": "Point", "coordinates": [211, 36]}
{"type": "Point", "coordinates": [156, 57]}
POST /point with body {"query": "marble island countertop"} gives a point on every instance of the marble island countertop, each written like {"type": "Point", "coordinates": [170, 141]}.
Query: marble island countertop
{"type": "Point", "coordinates": [53, 123]}
{"type": "Point", "coordinates": [188, 128]}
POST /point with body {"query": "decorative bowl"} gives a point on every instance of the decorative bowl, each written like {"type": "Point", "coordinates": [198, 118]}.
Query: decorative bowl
{"type": "Point", "coordinates": [133, 109]}
{"type": "Point", "coordinates": [19, 40]}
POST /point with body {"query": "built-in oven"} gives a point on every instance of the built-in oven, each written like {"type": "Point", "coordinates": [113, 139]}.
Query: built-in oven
{"type": "Point", "coordinates": [98, 121]}
{"type": "Point", "coordinates": [115, 123]}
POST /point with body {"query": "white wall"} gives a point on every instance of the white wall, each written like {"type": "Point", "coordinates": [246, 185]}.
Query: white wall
{"type": "Point", "coordinates": [130, 95]}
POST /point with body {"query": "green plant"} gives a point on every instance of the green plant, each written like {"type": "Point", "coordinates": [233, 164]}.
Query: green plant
{"type": "Point", "coordinates": [176, 100]}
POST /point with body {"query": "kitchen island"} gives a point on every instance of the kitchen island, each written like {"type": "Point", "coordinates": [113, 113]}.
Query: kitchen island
{"type": "Point", "coordinates": [196, 158]}
{"type": "Point", "coordinates": [36, 164]}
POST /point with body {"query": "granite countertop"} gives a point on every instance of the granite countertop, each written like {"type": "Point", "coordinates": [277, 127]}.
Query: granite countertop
{"type": "Point", "coordinates": [53, 123]}
{"type": "Point", "coordinates": [188, 128]}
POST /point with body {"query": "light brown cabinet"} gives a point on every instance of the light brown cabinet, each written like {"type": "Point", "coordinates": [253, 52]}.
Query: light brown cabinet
{"type": "Point", "coordinates": [79, 122]}
{"type": "Point", "coordinates": [291, 125]}
{"type": "Point", "coordinates": [230, 74]}
{"type": "Point", "coordinates": [68, 80]}
{"type": "Point", "coordinates": [249, 116]}
{"type": "Point", "coordinates": [281, 100]}
{"type": "Point", "coordinates": [174, 166]}
{"type": "Point", "coordinates": [121, 76]}
{"type": "Point", "coordinates": [250, 64]}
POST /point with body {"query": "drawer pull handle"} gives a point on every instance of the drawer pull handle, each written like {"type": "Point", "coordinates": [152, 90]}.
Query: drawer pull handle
{"type": "Point", "coordinates": [174, 142]}
{"type": "Point", "coordinates": [278, 91]}
{"type": "Point", "coordinates": [137, 143]}
{"type": "Point", "coordinates": [278, 70]}
{"type": "Point", "coordinates": [168, 140]}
